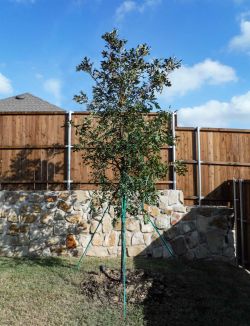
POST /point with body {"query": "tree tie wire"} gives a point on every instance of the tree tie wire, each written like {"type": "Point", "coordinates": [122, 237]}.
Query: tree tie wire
{"type": "Point", "coordinates": [91, 238]}
{"type": "Point", "coordinates": [163, 240]}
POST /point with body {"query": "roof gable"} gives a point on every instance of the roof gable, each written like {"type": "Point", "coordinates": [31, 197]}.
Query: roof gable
{"type": "Point", "coordinates": [27, 103]}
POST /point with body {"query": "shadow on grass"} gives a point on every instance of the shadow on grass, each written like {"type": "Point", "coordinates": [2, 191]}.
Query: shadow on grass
{"type": "Point", "coordinates": [197, 293]}
{"type": "Point", "coordinates": [43, 262]}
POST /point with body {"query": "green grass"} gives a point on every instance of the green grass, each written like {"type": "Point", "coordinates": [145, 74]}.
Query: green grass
{"type": "Point", "coordinates": [47, 292]}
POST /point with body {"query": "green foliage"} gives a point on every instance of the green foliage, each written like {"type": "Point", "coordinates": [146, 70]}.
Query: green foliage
{"type": "Point", "coordinates": [120, 134]}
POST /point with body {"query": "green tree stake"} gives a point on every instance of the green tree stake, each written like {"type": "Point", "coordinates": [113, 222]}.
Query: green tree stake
{"type": "Point", "coordinates": [124, 255]}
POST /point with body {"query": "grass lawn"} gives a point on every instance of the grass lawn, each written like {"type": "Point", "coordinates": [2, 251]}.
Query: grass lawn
{"type": "Point", "coordinates": [47, 292]}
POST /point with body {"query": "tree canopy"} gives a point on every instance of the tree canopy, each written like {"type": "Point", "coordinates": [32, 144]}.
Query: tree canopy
{"type": "Point", "coordinates": [126, 128]}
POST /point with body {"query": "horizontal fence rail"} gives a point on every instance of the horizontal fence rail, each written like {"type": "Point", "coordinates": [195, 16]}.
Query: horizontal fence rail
{"type": "Point", "coordinates": [36, 153]}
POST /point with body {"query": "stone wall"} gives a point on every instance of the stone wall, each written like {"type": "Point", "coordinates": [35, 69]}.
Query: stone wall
{"type": "Point", "coordinates": [61, 223]}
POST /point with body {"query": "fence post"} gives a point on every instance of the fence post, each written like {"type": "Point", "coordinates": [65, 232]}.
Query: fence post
{"type": "Point", "coordinates": [69, 146]}
{"type": "Point", "coordinates": [242, 225]}
{"type": "Point", "coordinates": [235, 199]}
{"type": "Point", "coordinates": [199, 181]}
{"type": "Point", "coordinates": [174, 149]}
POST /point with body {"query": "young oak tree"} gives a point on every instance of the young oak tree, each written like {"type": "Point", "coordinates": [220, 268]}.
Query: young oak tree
{"type": "Point", "coordinates": [120, 135]}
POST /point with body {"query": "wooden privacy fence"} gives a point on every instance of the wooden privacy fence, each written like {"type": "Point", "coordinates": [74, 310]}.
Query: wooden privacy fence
{"type": "Point", "coordinates": [241, 195]}
{"type": "Point", "coordinates": [36, 153]}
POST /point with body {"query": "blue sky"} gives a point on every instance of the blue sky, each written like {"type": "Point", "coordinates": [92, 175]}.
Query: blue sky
{"type": "Point", "coordinates": [42, 41]}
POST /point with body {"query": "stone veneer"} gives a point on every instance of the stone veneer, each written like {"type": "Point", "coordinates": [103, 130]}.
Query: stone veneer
{"type": "Point", "coordinates": [53, 223]}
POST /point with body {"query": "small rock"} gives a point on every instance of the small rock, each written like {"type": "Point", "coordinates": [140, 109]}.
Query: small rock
{"type": "Point", "coordinates": [71, 241]}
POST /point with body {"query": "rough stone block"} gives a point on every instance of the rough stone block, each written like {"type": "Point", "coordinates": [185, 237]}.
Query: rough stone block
{"type": "Point", "coordinates": [64, 195]}
{"type": "Point", "coordinates": [179, 208]}
{"type": "Point", "coordinates": [133, 225]}
{"type": "Point", "coordinates": [179, 245]}
{"type": "Point", "coordinates": [139, 250]}
{"type": "Point", "coordinates": [98, 239]}
{"type": "Point", "coordinates": [163, 223]}
{"type": "Point", "coordinates": [36, 245]}
{"type": "Point", "coordinates": [13, 229]}
{"type": "Point", "coordinates": [29, 218]}
{"type": "Point", "coordinates": [35, 208]}
{"type": "Point", "coordinates": [112, 212]}
{"type": "Point", "coordinates": [168, 210]}
{"type": "Point", "coordinates": [50, 198]}
{"type": "Point", "coordinates": [137, 239]}
{"type": "Point", "coordinates": [82, 196]}
{"type": "Point", "coordinates": [12, 217]}
{"type": "Point", "coordinates": [147, 239]}
{"type": "Point", "coordinates": [111, 239]}
{"type": "Point", "coordinates": [163, 202]}
{"type": "Point", "coordinates": [60, 228]}
{"type": "Point", "coordinates": [93, 226]}
{"type": "Point", "coordinates": [220, 222]}
{"type": "Point", "coordinates": [59, 215]}
{"type": "Point", "coordinates": [113, 251]}
{"type": "Point", "coordinates": [82, 227]}
{"type": "Point", "coordinates": [215, 241]}
{"type": "Point", "coordinates": [3, 225]}
{"type": "Point", "coordinates": [107, 223]}
{"type": "Point", "coordinates": [118, 225]}
{"type": "Point", "coordinates": [202, 223]}
{"type": "Point", "coordinates": [97, 251]}
{"type": "Point", "coordinates": [157, 252]}
{"type": "Point", "coordinates": [229, 252]}
{"type": "Point", "coordinates": [71, 242]}
{"type": "Point", "coordinates": [154, 211]}
{"type": "Point", "coordinates": [64, 206]}
{"type": "Point", "coordinates": [187, 227]}
{"type": "Point", "coordinates": [83, 239]}
{"type": "Point", "coordinates": [77, 206]}
{"type": "Point", "coordinates": [202, 252]}
{"type": "Point", "coordinates": [192, 239]}
{"type": "Point", "coordinates": [47, 218]}
{"type": "Point", "coordinates": [146, 228]}
{"type": "Point", "coordinates": [73, 218]}
{"type": "Point", "coordinates": [181, 197]}
{"type": "Point", "coordinates": [23, 239]}
{"type": "Point", "coordinates": [21, 251]}
{"type": "Point", "coordinates": [173, 197]}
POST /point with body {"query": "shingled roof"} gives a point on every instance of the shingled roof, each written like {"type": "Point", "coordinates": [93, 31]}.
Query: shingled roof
{"type": "Point", "coordinates": [27, 103]}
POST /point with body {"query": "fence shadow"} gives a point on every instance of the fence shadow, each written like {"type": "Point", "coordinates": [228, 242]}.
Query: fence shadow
{"type": "Point", "coordinates": [221, 195]}
{"type": "Point", "coordinates": [191, 292]}
{"type": "Point", "coordinates": [197, 293]}
{"type": "Point", "coordinates": [29, 170]}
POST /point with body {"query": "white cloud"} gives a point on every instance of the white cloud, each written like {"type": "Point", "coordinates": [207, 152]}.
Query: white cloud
{"type": "Point", "coordinates": [54, 87]}
{"type": "Point", "coordinates": [241, 42]}
{"type": "Point", "coordinates": [5, 85]}
{"type": "Point", "coordinates": [217, 114]}
{"type": "Point", "coordinates": [39, 76]}
{"type": "Point", "coordinates": [187, 79]}
{"type": "Point", "coordinates": [131, 5]}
